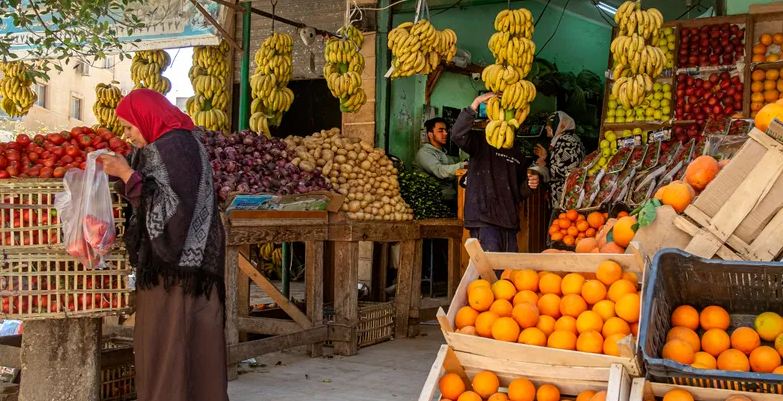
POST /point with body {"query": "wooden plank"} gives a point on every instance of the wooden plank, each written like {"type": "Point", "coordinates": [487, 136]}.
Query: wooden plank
{"type": "Point", "coordinates": [762, 9]}
{"type": "Point", "coordinates": [314, 287]}
{"type": "Point", "coordinates": [346, 299]}
{"type": "Point", "coordinates": [272, 291]}
{"type": "Point", "coordinates": [481, 261]}
{"type": "Point", "coordinates": [768, 244]}
{"type": "Point", "coordinates": [648, 391]}
{"type": "Point", "coordinates": [373, 231]}
{"type": "Point", "coordinates": [268, 326]}
{"type": "Point", "coordinates": [276, 217]}
{"type": "Point", "coordinates": [239, 352]}
{"type": "Point", "coordinates": [440, 228]}
{"type": "Point", "coordinates": [415, 300]}
{"type": "Point", "coordinates": [561, 262]}
{"type": "Point", "coordinates": [637, 390]}
{"type": "Point", "coordinates": [405, 283]}
{"type": "Point", "coordinates": [431, 383]}
{"type": "Point", "coordinates": [238, 235]}
{"type": "Point", "coordinates": [243, 291]}
{"type": "Point", "coordinates": [453, 265]}
{"type": "Point", "coordinates": [619, 386]}
{"type": "Point", "coordinates": [536, 370]}
{"type": "Point", "coordinates": [231, 312]}
{"type": "Point", "coordinates": [703, 220]}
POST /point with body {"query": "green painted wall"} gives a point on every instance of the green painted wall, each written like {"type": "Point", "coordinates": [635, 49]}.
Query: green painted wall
{"type": "Point", "coordinates": [579, 44]}
{"type": "Point", "coordinates": [741, 6]}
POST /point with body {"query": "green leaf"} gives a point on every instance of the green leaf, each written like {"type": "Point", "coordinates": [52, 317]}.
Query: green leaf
{"type": "Point", "coordinates": [648, 212]}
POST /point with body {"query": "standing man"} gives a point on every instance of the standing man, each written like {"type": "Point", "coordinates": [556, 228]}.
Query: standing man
{"type": "Point", "coordinates": [433, 160]}
{"type": "Point", "coordinates": [497, 181]}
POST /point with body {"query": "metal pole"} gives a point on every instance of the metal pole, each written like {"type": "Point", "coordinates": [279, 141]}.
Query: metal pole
{"type": "Point", "coordinates": [244, 79]}
{"type": "Point", "coordinates": [286, 269]}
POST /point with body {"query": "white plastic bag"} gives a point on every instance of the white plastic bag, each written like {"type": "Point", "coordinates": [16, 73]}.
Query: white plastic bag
{"type": "Point", "coordinates": [85, 211]}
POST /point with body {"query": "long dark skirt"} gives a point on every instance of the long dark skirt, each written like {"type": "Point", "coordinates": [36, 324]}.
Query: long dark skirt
{"type": "Point", "coordinates": [180, 346]}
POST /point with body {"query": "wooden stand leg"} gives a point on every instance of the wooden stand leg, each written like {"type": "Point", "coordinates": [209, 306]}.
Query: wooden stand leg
{"type": "Point", "coordinates": [243, 293]}
{"type": "Point", "coordinates": [453, 273]}
{"type": "Point", "coordinates": [415, 303]}
{"type": "Point", "coordinates": [314, 287]}
{"type": "Point", "coordinates": [232, 332]}
{"type": "Point", "coordinates": [346, 299]}
{"type": "Point", "coordinates": [405, 282]}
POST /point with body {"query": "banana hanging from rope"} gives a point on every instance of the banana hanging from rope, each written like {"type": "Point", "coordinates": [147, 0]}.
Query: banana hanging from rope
{"type": "Point", "coordinates": [16, 89]}
{"type": "Point", "coordinates": [418, 48]}
{"type": "Point", "coordinates": [209, 105]}
{"type": "Point", "coordinates": [107, 96]}
{"type": "Point", "coordinates": [343, 68]}
{"type": "Point", "coordinates": [147, 68]}
{"type": "Point", "coordinates": [271, 97]}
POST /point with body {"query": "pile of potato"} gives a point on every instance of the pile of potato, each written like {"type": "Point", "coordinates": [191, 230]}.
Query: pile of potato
{"type": "Point", "coordinates": [364, 174]}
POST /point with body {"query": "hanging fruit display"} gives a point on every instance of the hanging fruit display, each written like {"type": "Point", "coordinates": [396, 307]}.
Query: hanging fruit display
{"type": "Point", "coordinates": [513, 50]}
{"type": "Point", "coordinates": [147, 68]}
{"type": "Point", "coordinates": [16, 89]}
{"type": "Point", "coordinates": [418, 48]}
{"type": "Point", "coordinates": [271, 97]}
{"type": "Point", "coordinates": [343, 68]}
{"type": "Point", "coordinates": [209, 105]}
{"type": "Point", "coordinates": [107, 98]}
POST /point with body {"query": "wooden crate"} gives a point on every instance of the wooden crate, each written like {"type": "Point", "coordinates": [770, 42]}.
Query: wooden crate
{"type": "Point", "coordinates": [484, 265]}
{"type": "Point", "coordinates": [118, 372]}
{"type": "Point", "coordinates": [613, 379]}
{"type": "Point", "coordinates": [740, 214]}
{"type": "Point", "coordinates": [645, 390]}
{"type": "Point", "coordinates": [376, 322]}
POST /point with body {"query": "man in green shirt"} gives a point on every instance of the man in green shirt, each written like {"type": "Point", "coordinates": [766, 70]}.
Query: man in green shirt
{"type": "Point", "coordinates": [432, 159]}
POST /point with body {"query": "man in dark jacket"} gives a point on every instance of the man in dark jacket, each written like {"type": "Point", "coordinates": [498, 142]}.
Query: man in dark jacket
{"type": "Point", "coordinates": [497, 182]}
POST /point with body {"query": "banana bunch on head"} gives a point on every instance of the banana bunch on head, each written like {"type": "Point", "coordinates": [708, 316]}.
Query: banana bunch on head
{"type": "Point", "coordinates": [514, 51]}
{"type": "Point", "coordinates": [209, 105]}
{"type": "Point", "coordinates": [343, 68]}
{"type": "Point", "coordinates": [147, 68]}
{"type": "Point", "coordinates": [16, 89]}
{"type": "Point", "coordinates": [271, 97]}
{"type": "Point", "coordinates": [107, 98]}
{"type": "Point", "coordinates": [630, 19]}
{"type": "Point", "coordinates": [418, 48]}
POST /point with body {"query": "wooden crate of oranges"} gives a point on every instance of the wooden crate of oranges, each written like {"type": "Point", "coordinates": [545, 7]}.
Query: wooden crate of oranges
{"type": "Point", "coordinates": [547, 309]}
{"type": "Point", "coordinates": [460, 376]}
{"type": "Point", "coordinates": [645, 390]}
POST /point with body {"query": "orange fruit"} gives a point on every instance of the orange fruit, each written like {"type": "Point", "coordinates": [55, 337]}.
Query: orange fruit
{"type": "Point", "coordinates": [562, 340]}
{"type": "Point", "coordinates": [685, 334]}
{"type": "Point", "coordinates": [521, 390]}
{"type": "Point", "coordinates": [569, 240]}
{"type": "Point", "coordinates": [547, 392]}
{"type": "Point", "coordinates": [631, 276]}
{"type": "Point", "coordinates": [769, 85]}
{"type": "Point", "coordinates": [635, 329]}
{"type": "Point", "coordinates": [525, 296]}
{"type": "Point", "coordinates": [677, 395]}
{"type": "Point", "coordinates": [572, 283]}
{"type": "Point", "coordinates": [480, 298]}
{"type": "Point", "coordinates": [758, 75]}
{"type": "Point", "coordinates": [451, 386]}
{"type": "Point", "coordinates": [623, 230]}
{"type": "Point", "coordinates": [485, 383]}
{"type": "Point", "coordinates": [469, 396]}
{"type": "Point", "coordinates": [610, 344]}
{"type": "Point", "coordinates": [532, 336]}
{"type": "Point", "coordinates": [609, 271]}
{"type": "Point", "coordinates": [615, 325]}
{"type": "Point", "coordinates": [590, 233]}
{"type": "Point", "coordinates": [590, 341]}
{"type": "Point", "coordinates": [778, 370]}
{"type": "Point", "coordinates": [501, 307]}
{"type": "Point", "coordinates": [766, 114]}
{"type": "Point", "coordinates": [466, 316]}
{"type": "Point", "coordinates": [765, 39]}
{"type": "Point", "coordinates": [503, 289]}
{"type": "Point", "coordinates": [777, 38]}
{"type": "Point", "coordinates": [469, 330]}
{"type": "Point", "coordinates": [549, 284]}
{"type": "Point", "coordinates": [678, 195]}
{"type": "Point", "coordinates": [627, 307]}
{"type": "Point", "coordinates": [506, 275]}
{"type": "Point", "coordinates": [573, 231]}
{"type": "Point", "coordinates": [525, 279]}
{"type": "Point", "coordinates": [593, 291]}
{"type": "Point", "coordinates": [745, 339]}
{"type": "Point", "coordinates": [758, 97]}
{"type": "Point", "coordinates": [715, 341]}
{"type": "Point", "coordinates": [686, 316]}
{"type": "Point", "coordinates": [564, 223]}
{"type": "Point", "coordinates": [755, 87]}
{"type": "Point", "coordinates": [587, 394]}
{"type": "Point", "coordinates": [546, 324]}
{"type": "Point", "coordinates": [701, 171]}
{"type": "Point", "coordinates": [620, 288]}
{"type": "Point", "coordinates": [759, 48]}
{"type": "Point", "coordinates": [772, 57]}
{"type": "Point", "coordinates": [549, 304]}
{"type": "Point", "coordinates": [596, 220]}
{"type": "Point", "coordinates": [498, 397]}
{"type": "Point", "coordinates": [525, 314]}
{"type": "Point", "coordinates": [764, 359]}
{"type": "Point", "coordinates": [589, 321]}
{"type": "Point", "coordinates": [562, 216]}
{"type": "Point", "coordinates": [779, 85]}
{"type": "Point", "coordinates": [771, 95]}
{"type": "Point", "coordinates": [587, 244]}
{"type": "Point", "coordinates": [779, 343]}
{"type": "Point", "coordinates": [605, 308]}
{"type": "Point", "coordinates": [703, 360]}
{"type": "Point", "coordinates": [734, 360]}
{"type": "Point", "coordinates": [572, 305]}
{"type": "Point", "coordinates": [479, 283]}
{"type": "Point", "coordinates": [566, 323]}
{"type": "Point", "coordinates": [758, 58]}
{"type": "Point", "coordinates": [582, 225]}
{"type": "Point", "coordinates": [714, 317]}
{"type": "Point", "coordinates": [556, 237]}
{"type": "Point", "coordinates": [599, 396]}
{"type": "Point", "coordinates": [572, 215]}
{"type": "Point", "coordinates": [484, 322]}
{"type": "Point", "coordinates": [678, 351]}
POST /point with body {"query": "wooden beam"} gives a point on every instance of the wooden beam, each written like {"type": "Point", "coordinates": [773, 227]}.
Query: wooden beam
{"type": "Point", "coordinates": [239, 352]}
{"type": "Point", "coordinates": [268, 326]}
{"type": "Point", "coordinates": [231, 314]}
{"type": "Point", "coordinates": [223, 33]}
{"type": "Point", "coordinates": [314, 287]}
{"type": "Point", "coordinates": [346, 297]}
{"type": "Point", "coordinates": [478, 257]}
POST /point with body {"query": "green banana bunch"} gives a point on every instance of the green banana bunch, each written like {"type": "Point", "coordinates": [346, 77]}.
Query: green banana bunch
{"type": "Point", "coordinates": [107, 96]}
{"type": "Point", "coordinates": [16, 89]}
{"type": "Point", "coordinates": [343, 68]}
{"type": "Point", "coordinates": [271, 97]}
{"type": "Point", "coordinates": [147, 68]}
{"type": "Point", "coordinates": [418, 48]}
{"type": "Point", "coordinates": [209, 104]}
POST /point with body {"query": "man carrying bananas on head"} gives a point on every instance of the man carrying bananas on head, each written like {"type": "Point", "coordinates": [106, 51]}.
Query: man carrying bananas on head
{"type": "Point", "coordinates": [497, 181]}
{"type": "Point", "coordinates": [433, 160]}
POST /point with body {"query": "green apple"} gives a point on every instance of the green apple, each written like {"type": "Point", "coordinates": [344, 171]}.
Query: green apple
{"type": "Point", "coordinates": [610, 113]}
{"type": "Point", "coordinates": [619, 119]}
{"type": "Point", "coordinates": [666, 111]}
{"type": "Point", "coordinates": [667, 87]}
{"type": "Point", "coordinates": [610, 136]}
{"type": "Point", "coordinates": [637, 131]}
{"type": "Point", "coordinates": [604, 144]}
{"type": "Point", "coordinates": [667, 95]}
{"type": "Point", "coordinates": [666, 103]}
{"type": "Point", "coordinates": [657, 86]}
{"type": "Point", "coordinates": [609, 120]}
{"type": "Point", "coordinates": [649, 112]}
{"type": "Point", "coordinates": [602, 161]}
{"type": "Point", "coordinates": [612, 104]}
{"type": "Point", "coordinates": [605, 152]}
{"type": "Point", "coordinates": [614, 152]}
{"type": "Point", "coordinates": [655, 104]}
{"type": "Point", "coordinates": [619, 113]}
{"type": "Point", "coordinates": [658, 96]}
{"type": "Point", "coordinates": [658, 115]}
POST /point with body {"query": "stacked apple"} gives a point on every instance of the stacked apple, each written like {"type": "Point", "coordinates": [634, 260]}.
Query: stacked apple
{"type": "Point", "coordinates": [767, 87]}
{"type": "Point", "coordinates": [716, 44]}
{"type": "Point", "coordinates": [655, 107]}
{"type": "Point", "coordinates": [768, 48]}
{"type": "Point", "coordinates": [684, 132]}
{"type": "Point", "coordinates": [717, 96]}
{"type": "Point", "coordinates": [666, 42]}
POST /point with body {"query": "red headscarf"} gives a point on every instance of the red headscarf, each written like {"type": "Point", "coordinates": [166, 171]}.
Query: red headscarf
{"type": "Point", "coordinates": [152, 114]}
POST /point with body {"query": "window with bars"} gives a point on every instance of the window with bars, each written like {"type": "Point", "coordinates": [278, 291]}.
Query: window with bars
{"type": "Point", "coordinates": [76, 108]}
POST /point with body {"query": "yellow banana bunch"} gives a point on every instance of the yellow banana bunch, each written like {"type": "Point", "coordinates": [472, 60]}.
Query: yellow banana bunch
{"type": "Point", "coordinates": [147, 68]}
{"type": "Point", "coordinates": [16, 89]}
{"type": "Point", "coordinates": [516, 22]}
{"type": "Point", "coordinates": [630, 91]}
{"type": "Point", "coordinates": [630, 19]}
{"type": "Point", "coordinates": [107, 96]}
{"type": "Point", "coordinates": [343, 68]}
{"type": "Point", "coordinates": [418, 48]}
{"type": "Point", "coordinates": [208, 107]}
{"type": "Point", "coordinates": [271, 97]}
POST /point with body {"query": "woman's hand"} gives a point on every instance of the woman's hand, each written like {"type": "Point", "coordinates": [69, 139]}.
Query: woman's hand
{"type": "Point", "coordinates": [481, 99]}
{"type": "Point", "coordinates": [540, 151]}
{"type": "Point", "coordinates": [116, 166]}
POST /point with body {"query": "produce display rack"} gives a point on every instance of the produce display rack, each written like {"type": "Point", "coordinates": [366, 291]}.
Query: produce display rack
{"type": "Point", "coordinates": [118, 370]}
{"type": "Point", "coordinates": [645, 390]}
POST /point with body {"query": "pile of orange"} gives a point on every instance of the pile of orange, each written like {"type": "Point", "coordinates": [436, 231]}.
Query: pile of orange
{"type": "Point", "coordinates": [485, 386]}
{"type": "Point", "coordinates": [570, 227]}
{"type": "Point", "coordinates": [679, 394]}
{"type": "Point", "coordinates": [573, 311]}
{"type": "Point", "coordinates": [766, 87]}
{"type": "Point", "coordinates": [761, 50]}
{"type": "Point", "coordinates": [743, 350]}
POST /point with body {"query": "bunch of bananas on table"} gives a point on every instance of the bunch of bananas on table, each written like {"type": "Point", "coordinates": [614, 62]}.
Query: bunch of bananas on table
{"type": "Point", "coordinates": [209, 104]}
{"type": "Point", "coordinates": [343, 68]}
{"type": "Point", "coordinates": [514, 52]}
{"type": "Point", "coordinates": [418, 48]}
{"type": "Point", "coordinates": [147, 68]}
{"type": "Point", "coordinates": [16, 89]}
{"type": "Point", "coordinates": [637, 59]}
{"type": "Point", "coordinates": [271, 97]}
{"type": "Point", "coordinates": [107, 96]}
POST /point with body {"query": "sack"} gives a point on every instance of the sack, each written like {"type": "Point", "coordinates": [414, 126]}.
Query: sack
{"type": "Point", "coordinates": [86, 214]}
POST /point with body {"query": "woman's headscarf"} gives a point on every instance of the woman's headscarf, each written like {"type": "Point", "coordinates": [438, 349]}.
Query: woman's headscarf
{"type": "Point", "coordinates": [566, 123]}
{"type": "Point", "coordinates": [152, 114]}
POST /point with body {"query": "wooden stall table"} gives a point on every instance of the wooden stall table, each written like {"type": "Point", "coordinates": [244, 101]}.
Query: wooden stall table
{"type": "Point", "coordinates": [345, 236]}
{"type": "Point", "coordinates": [244, 228]}
{"type": "Point", "coordinates": [450, 229]}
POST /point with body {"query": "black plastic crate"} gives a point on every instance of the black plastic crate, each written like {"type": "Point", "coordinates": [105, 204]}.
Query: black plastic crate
{"type": "Point", "coordinates": [745, 289]}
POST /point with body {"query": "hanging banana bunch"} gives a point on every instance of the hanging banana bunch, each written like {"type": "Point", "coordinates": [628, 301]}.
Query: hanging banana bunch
{"type": "Point", "coordinates": [209, 105]}
{"type": "Point", "coordinates": [514, 50]}
{"type": "Point", "coordinates": [343, 68]}
{"type": "Point", "coordinates": [16, 89]}
{"type": "Point", "coordinates": [107, 98]}
{"type": "Point", "coordinates": [418, 48]}
{"type": "Point", "coordinates": [147, 68]}
{"type": "Point", "coordinates": [271, 97]}
{"type": "Point", "coordinates": [271, 258]}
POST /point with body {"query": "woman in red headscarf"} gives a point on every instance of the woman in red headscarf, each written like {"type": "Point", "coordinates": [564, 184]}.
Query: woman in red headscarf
{"type": "Point", "coordinates": [175, 240]}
